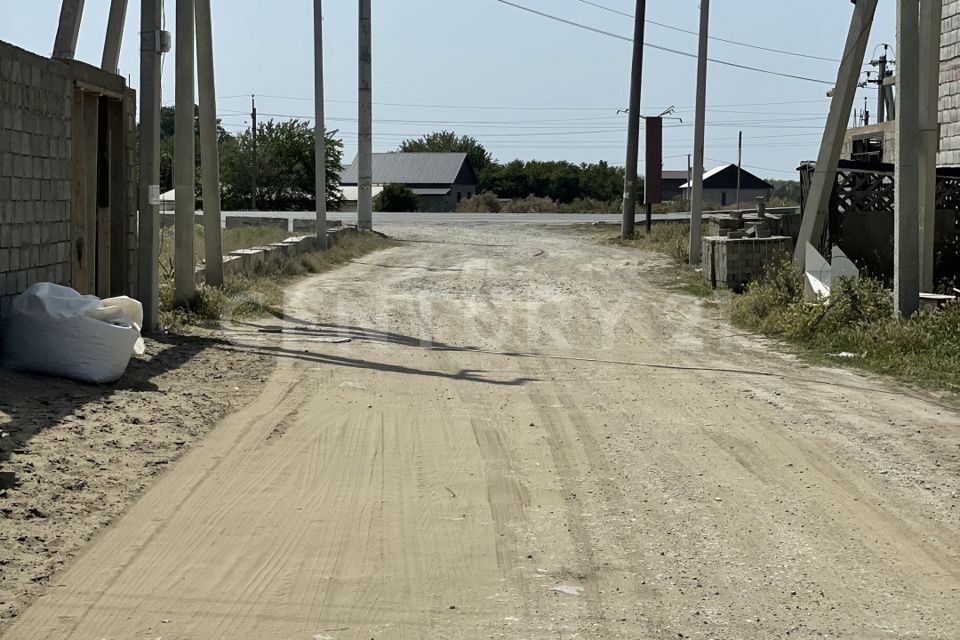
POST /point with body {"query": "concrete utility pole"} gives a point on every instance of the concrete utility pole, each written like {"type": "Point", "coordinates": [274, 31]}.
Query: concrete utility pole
{"type": "Point", "coordinates": [365, 117]}
{"type": "Point", "coordinates": [114, 37]}
{"type": "Point", "coordinates": [821, 186]}
{"type": "Point", "coordinates": [881, 90]}
{"type": "Point", "coordinates": [184, 158]}
{"type": "Point", "coordinates": [633, 126]}
{"type": "Point", "coordinates": [209, 152]}
{"type": "Point", "coordinates": [321, 129]}
{"type": "Point", "coordinates": [68, 30]}
{"type": "Point", "coordinates": [739, 165]}
{"type": "Point", "coordinates": [148, 254]}
{"type": "Point", "coordinates": [906, 217]}
{"type": "Point", "coordinates": [931, 14]}
{"type": "Point", "coordinates": [696, 202]}
{"type": "Point", "coordinates": [256, 167]}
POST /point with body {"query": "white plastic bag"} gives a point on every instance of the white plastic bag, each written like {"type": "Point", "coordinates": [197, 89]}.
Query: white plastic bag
{"type": "Point", "coordinates": [54, 330]}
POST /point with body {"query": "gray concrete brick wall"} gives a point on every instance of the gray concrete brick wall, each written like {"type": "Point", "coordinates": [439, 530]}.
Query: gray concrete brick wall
{"type": "Point", "coordinates": [35, 172]}
{"type": "Point", "coordinates": [950, 85]}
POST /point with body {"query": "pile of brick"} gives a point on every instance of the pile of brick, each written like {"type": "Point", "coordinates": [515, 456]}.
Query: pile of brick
{"type": "Point", "coordinates": [733, 261]}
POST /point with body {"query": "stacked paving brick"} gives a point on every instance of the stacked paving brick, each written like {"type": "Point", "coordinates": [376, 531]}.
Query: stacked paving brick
{"type": "Point", "coordinates": [950, 85]}
{"type": "Point", "coordinates": [732, 263]}
{"type": "Point", "coordinates": [35, 172]}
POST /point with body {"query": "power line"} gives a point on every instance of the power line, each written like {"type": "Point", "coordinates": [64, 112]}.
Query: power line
{"type": "Point", "coordinates": [718, 39]}
{"type": "Point", "coordinates": [524, 107]}
{"type": "Point", "coordinates": [748, 166]}
{"type": "Point", "coordinates": [666, 49]}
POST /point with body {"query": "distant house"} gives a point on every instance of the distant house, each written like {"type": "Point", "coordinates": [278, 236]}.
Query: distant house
{"type": "Point", "coordinates": [720, 186]}
{"type": "Point", "coordinates": [441, 180]}
{"type": "Point", "coordinates": [673, 182]}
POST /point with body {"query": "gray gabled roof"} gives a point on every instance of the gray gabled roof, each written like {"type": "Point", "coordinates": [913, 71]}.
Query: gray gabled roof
{"type": "Point", "coordinates": [411, 168]}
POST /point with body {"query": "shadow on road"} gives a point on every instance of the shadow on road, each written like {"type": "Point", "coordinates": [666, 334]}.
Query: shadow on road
{"type": "Point", "coordinates": [374, 336]}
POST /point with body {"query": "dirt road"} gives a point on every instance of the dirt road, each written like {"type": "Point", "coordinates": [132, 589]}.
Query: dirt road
{"type": "Point", "coordinates": [522, 433]}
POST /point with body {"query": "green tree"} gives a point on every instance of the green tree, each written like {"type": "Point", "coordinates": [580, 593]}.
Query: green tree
{"type": "Point", "coordinates": [285, 168]}
{"type": "Point", "coordinates": [396, 197]}
{"type": "Point", "coordinates": [449, 142]}
{"type": "Point", "coordinates": [509, 180]}
{"type": "Point", "coordinates": [601, 181]}
{"type": "Point", "coordinates": [167, 131]}
{"type": "Point", "coordinates": [786, 191]}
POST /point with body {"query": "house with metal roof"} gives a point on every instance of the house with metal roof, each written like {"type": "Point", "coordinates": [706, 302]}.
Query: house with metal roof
{"type": "Point", "coordinates": [720, 186]}
{"type": "Point", "coordinates": [672, 184]}
{"type": "Point", "coordinates": [441, 180]}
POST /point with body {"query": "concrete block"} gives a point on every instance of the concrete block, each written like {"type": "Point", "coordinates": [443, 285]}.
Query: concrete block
{"type": "Point", "coordinates": [281, 248]}
{"type": "Point", "coordinates": [233, 265]}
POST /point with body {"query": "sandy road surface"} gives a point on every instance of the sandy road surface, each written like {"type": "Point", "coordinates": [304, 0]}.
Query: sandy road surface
{"type": "Point", "coordinates": [520, 433]}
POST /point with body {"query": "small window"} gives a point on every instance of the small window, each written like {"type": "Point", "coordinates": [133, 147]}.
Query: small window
{"type": "Point", "coordinates": [868, 148]}
{"type": "Point", "coordinates": [459, 196]}
{"type": "Point", "coordinates": [723, 198]}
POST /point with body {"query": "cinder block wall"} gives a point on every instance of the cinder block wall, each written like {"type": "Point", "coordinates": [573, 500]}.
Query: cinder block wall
{"type": "Point", "coordinates": [35, 172]}
{"type": "Point", "coordinates": [950, 85]}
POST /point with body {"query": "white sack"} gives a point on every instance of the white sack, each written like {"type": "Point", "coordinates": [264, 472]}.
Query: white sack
{"type": "Point", "coordinates": [54, 330]}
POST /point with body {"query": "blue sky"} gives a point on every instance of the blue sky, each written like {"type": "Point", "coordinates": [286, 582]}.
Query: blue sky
{"type": "Point", "coordinates": [525, 86]}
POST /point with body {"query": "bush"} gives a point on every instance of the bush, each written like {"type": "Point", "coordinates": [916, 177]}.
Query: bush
{"type": "Point", "coordinates": [774, 305]}
{"type": "Point", "coordinates": [485, 202]}
{"type": "Point", "coordinates": [857, 319]}
{"type": "Point", "coordinates": [396, 198]}
{"type": "Point", "coordinates": [530, 204]}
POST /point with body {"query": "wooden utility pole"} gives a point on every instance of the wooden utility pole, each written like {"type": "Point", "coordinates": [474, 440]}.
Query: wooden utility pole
{"type": "Point", "coordinates": [209, 153]}
{"type": "Point", "coordinates": [148, 246]}
{"type": "Point", "coordinates": [320, 130]}
{"type": "Point", "coordinates": [185, 159]}
{"type": "Point", "coordinates": [365, 121]}
{"type": "Point", "coordinates": [633, 127]}
{"type": "Point", "coordinates": [906, 215]}
{"type": "Point", "coordinates": [739, 165]}
{"type": "Point", "coordinates": [256, 167]}
{"type": "Point", "coordinates": [696, 203]}
{"type": "Point", "coordinates": [821, 185]}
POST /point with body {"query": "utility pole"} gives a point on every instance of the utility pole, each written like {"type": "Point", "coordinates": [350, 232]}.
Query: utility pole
{"type": "Point", "coordinates": [148, 240]}
{"type": "Point", "coordinates": [739, 165]}
{"type": "Point", "coordinates": [185, 158]}
{"type": "Point", "coordinates": [365, 120]}
{"type": "Point", "coordinates": [906, 217]}
{"type": "Point", "coordinates": [68, 30]}
{"type": "Point", "coordinates": [256, 167]}
{"type": "Point", "coordinates": [114, 38]}
{"type": "Point", "coordinates": [824, 178]}
{"type": "Point", "coordinates": [320, 132]}
{"type": "Point", "coordinates": [881, 90]}
{"type": "Point", "coordinates": [633, 126]}
{"type": "Point", "coordinates": [696, 204]}
{"type": "Point", "coordinates": [931, 13]}
{"type": "Point", "coordinates": [209, 153]}
{"type": "Point", "coordinates": [689, 178]}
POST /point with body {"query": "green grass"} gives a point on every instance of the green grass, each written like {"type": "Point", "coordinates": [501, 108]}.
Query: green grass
{"type": "Point", "coordinates": [260, 293]}
{"type": "Point", "coordinates": [671, 238]}
{"type": "Point", "coordinates": [857, 320]}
